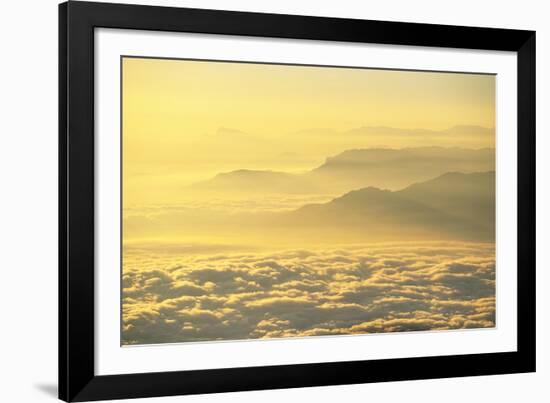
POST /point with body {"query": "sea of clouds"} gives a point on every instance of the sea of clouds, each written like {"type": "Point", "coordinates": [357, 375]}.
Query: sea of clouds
{"type": "Point", "coordinates": [182, 294]}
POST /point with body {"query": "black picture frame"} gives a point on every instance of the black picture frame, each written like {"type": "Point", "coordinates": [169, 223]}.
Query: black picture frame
{"type": "Point", "coordinates": [77, 379]}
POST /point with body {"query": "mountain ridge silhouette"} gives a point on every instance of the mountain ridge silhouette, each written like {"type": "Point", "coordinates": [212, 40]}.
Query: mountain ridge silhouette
{"type": "Point", "coordinates": [355, 168]}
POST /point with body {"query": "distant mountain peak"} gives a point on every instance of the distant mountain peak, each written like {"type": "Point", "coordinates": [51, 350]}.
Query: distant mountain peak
{"type": "Point", "coordinates": [252, 172]}
{"type": "Point", "coordinates": [364, 192]}
{"type": "Point", "coordinates": [454, 204]}
{"type": "Point", "coordinates": [382, 168]}
{"type": "Point", "coordinates": [472, 129]}
{"type": "Point", "coordinates": [252, 180]}
{"type": "Point", "coordinates": [229, 131]}
{"type": "Point", "coordinates": [456, 176]}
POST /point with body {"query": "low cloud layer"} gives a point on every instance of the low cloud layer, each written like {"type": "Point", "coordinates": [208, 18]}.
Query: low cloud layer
{"type": "Point", "coordinates": [173, 297]}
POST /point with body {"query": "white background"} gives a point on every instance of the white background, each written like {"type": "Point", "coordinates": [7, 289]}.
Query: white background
{"type": "Point", "coordinates": [28, 202]}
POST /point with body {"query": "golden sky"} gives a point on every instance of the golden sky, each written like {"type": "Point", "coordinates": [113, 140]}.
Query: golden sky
{"type": "Point", "coordinates": [185, 121]}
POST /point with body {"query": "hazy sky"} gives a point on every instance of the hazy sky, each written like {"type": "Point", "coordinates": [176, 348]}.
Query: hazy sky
{"type": "Point", "coordinates": [185, 121]}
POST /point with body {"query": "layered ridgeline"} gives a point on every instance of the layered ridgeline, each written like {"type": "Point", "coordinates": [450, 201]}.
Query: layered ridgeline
{"type": "Point", "coordinates": [451, 206]}
{"type": "Point", "coordinates": [454, 205]}
{"type": "Point", "coordinates": [353, 169]}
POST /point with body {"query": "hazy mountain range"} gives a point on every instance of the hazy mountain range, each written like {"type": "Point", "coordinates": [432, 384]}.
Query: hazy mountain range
{"type": "Point", "coordinates": [450, 206]}
{"type": "Point", "coordinates": [352, 169]}
{"type": "Point", "coordinates": [453, 205]}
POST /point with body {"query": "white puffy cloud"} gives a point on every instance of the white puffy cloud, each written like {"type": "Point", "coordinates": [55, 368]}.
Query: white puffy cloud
{"type": "Point", "coordinates": [174, 297]}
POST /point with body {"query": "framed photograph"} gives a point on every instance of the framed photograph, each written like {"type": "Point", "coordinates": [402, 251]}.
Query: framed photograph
{"type": "Point", "coordinates": [257, 201]}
